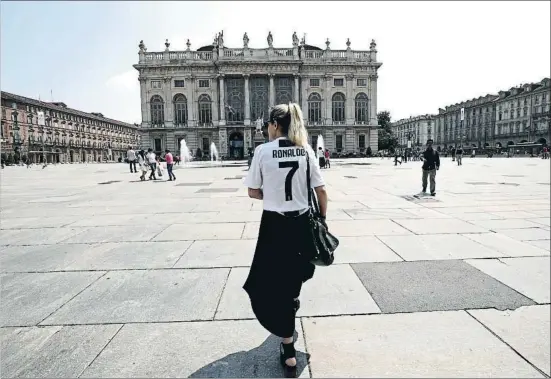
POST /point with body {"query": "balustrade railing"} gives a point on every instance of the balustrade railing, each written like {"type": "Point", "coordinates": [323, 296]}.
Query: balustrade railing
{"type": "Point", "coordinates": [260, 54]}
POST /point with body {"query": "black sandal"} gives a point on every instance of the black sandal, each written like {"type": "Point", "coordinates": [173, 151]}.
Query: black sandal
{"type": "Point", "coordinates": [286, 351]}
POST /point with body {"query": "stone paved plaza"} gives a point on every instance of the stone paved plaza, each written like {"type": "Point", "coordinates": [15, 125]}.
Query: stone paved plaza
{"type": "Point", "coordinates": [107, 276]}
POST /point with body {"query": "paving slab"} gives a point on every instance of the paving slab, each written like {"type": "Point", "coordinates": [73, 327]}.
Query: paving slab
{"type": "Point", "coordinates": [546, 221]}
{"type": "Point", "coordinates": [439, 226]}
{"type": "Point", "coordinates": [43, 258]}
{"type": "Point", "coordinates": [128, 233]}
{"type": "Point", "coordinates": [251, 230]}
{"type": "Point", "coordinates": [363, 249]}
{"type": "Point", "coordinates": [333, 290]}
{"type": "Point", "coordinates": [28, 298]}
{"type": "Point", "coordinates": [357, 228]}
{"type": "Point", "coordinates": [190, 232]}
{"type": "Point", "coordinates": [195, 350]}
{"type": "Point", "coordinates": [532, 234]}
{"type": "Point", "coordinates": [513, 223]}
{"type": "Point", "coordinates": [515, 214]}
{"type": "Point", "coordinates": [145, 296]}
{"type": "Point", "coordinates": [52, 351]}
{"type": "Point", "coordinates": [542, 244]}
{"type": "Point", "coordinates": [529, 276]}
{"type": "Point", "coordinates": [218, 253]}
{"type": "Point", "coordinates": [40, 236]}
{"type": "Point", "coordinates": [527, 330]}
{"type": "Point", "coordinates": [37, 222]}
{"type": "Point", "coordinates": [130, 255]}
{"type": "Point", "coordinates": [505, 245]}
{"type": "Point", "coordinates": [427, 286]}
{"type": "Point", "coordinates": [437, 247]}
{"type": "Point", "coordinates": [379, 214]}
{"type": "Point", "coordinates": [421, 345]}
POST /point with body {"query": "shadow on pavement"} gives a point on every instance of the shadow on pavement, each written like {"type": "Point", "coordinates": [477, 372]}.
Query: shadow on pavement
{"type": "Point", "coordinates": [260, 362]}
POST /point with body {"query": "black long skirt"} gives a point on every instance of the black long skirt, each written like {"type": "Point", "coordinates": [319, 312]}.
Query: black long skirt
{"type": "Point", "coordinates": [278, 271]}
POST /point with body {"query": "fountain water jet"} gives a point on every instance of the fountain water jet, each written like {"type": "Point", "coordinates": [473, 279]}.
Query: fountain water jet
{"type": "Point", "coordinates": [319, 144]}
{"type": "Point", "coordinates": [185, 155]}
{"type": "Point", "coordinates": [213, 153]}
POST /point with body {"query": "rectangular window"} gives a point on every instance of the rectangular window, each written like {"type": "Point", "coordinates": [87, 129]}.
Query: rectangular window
{"type": "Point", "coordinates": [314, 142]}
{"type": "Point", "coordinates": [338, 82]}
{"type": "Point", "coordinates": [156, 84]}
{"type": "Point", "coordinates": [314, 82]}
{"type": "Point", "coordinates": [339, 143]}
{"type": "Point", "coordinates": [206, 145]}
{"type": "Point", "coordinates": [158, 146]}
{"type": "Point", "coordinates": [361, 141]}
{"type": "Point", "coordinates": [204, 83]}
{"type": "Point", "coordinates": [361, 83]}
{"type": "Point", "coordinates": [544, 97]}
{"type": "Point", "coordinates": [179, 83]}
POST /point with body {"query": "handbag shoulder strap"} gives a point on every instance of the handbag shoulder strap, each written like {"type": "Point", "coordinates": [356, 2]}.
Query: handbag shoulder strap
{"type": "Point", "coordinates": [312, 203]}
{"type": "Point", "coordinates": [308, 179]}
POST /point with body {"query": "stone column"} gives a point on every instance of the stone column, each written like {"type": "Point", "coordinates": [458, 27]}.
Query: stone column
{"type": "Point", "coordinates": [247, 141]}
{"type": "Point", "coordinates": [168, 102]}
{"type": "Point", "coordinates": [271, 92]}
{"type": "Point", "coordinates": [304, 103]}
{"type": "Point", "coordinates": [349, 105]}
{"type": "Point", "coordinates": [327, 100]}
{"type": "Point", "coordinates": [193, 105]}
{"type": "Point", "coordinates": [373, 100]}
{"type": "Point", "coordinates": [296, 89]}
{"type": "Point", "coordinates": [143, 95]}
{"type": "Point", "coordinates": [222, 121]}
{"type": "Point", "coordinates": [247, 120]}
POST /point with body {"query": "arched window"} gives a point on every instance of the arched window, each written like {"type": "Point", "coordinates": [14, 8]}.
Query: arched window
{"type": "Point", "coordinates": [180, 109]}
{"type": "Point", "coordinates": [314, 107]}
{"type": "Point", "coordinates": [338, 107]}
{"type": "Point", "coordinates": [205, 109]}
{"type": "Point", "coordinates": [361, 108]}
{"type": "Point", "coordinates": [157, 110]}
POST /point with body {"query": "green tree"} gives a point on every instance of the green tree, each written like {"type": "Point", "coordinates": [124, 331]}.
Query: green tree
{"type": "Point", "coordinates": [387, 141]}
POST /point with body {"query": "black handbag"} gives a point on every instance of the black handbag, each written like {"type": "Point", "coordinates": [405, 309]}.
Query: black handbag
{"type": "Point", "coordinates": [321, 245]}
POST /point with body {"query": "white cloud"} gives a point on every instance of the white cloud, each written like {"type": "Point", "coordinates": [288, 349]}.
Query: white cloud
{"type": "Point", "coordinates": [127, 81]}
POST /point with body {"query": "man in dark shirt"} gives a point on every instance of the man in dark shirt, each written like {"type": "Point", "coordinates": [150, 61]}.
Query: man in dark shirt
{"type": "Point", "coordinates": [431, 163]}
{"type": "Point", "coordinates": [459, 155]}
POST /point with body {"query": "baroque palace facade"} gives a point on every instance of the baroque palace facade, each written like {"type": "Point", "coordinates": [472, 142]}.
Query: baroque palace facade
{"type": "Point", "coordinates": [51, 132]}
{"type": "Point", "coordinates": [221, 95]}
{"type": "Point", "coordinates": [518, 115]}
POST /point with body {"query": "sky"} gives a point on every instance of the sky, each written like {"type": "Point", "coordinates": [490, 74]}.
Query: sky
{"type": "Point", "coordinates": [433, 53]}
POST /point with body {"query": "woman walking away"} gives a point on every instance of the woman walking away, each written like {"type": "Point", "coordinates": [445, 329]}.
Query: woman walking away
{"type": "Point", "coordinates": [278, 176]}
{"type": "Point", "coordinates": [327, 158]}
{"type": "Point", "coordinates": [142, 163]}
{"type": "Point", "coordinates": [151, 159]}
{"type": "Point", "coordinates": [321, 157]}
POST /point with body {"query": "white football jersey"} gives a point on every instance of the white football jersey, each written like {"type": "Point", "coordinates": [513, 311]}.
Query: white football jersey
{"type": "Point", "coordinates": [279, 168]}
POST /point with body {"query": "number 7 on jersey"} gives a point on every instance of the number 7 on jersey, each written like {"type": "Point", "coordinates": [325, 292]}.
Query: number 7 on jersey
{"type": "Point", "coordinates": [293, 165]}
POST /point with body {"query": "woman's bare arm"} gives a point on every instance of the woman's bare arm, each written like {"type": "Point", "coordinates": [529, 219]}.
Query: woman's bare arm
{"type": "Point", "coordinates": [256, 193]}
{"type": "Point", "coordinates": [321, 193]}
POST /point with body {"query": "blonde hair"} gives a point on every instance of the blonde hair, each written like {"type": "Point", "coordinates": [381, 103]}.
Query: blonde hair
{"type": "Point", "coordinates": [289, 118]}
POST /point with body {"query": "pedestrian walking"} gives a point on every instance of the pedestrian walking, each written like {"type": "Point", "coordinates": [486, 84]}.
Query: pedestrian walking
{"type": "Point", "coordinates": [321, 157]}
{"type": "Point", "coordinates": [431, 163]}
{"type": "Point", "coordinates": [142, 162]}
{"type": "Point", "coordinates": [169, 165]}
{"type": "Point", "coordinates": [459, 156]}
{"type": "Point", "coordinates": [151, 159]}
{"type": "Point", "coordinates": [327, 158]}
{"type": "Point", "coordinates": [131, 158]}
{"type": "Point", "coordinates": [281, 175]}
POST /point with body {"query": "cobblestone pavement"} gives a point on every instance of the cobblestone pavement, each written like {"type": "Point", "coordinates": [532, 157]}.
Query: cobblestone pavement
{"type": "Point", "coordinates": [107, 276]}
